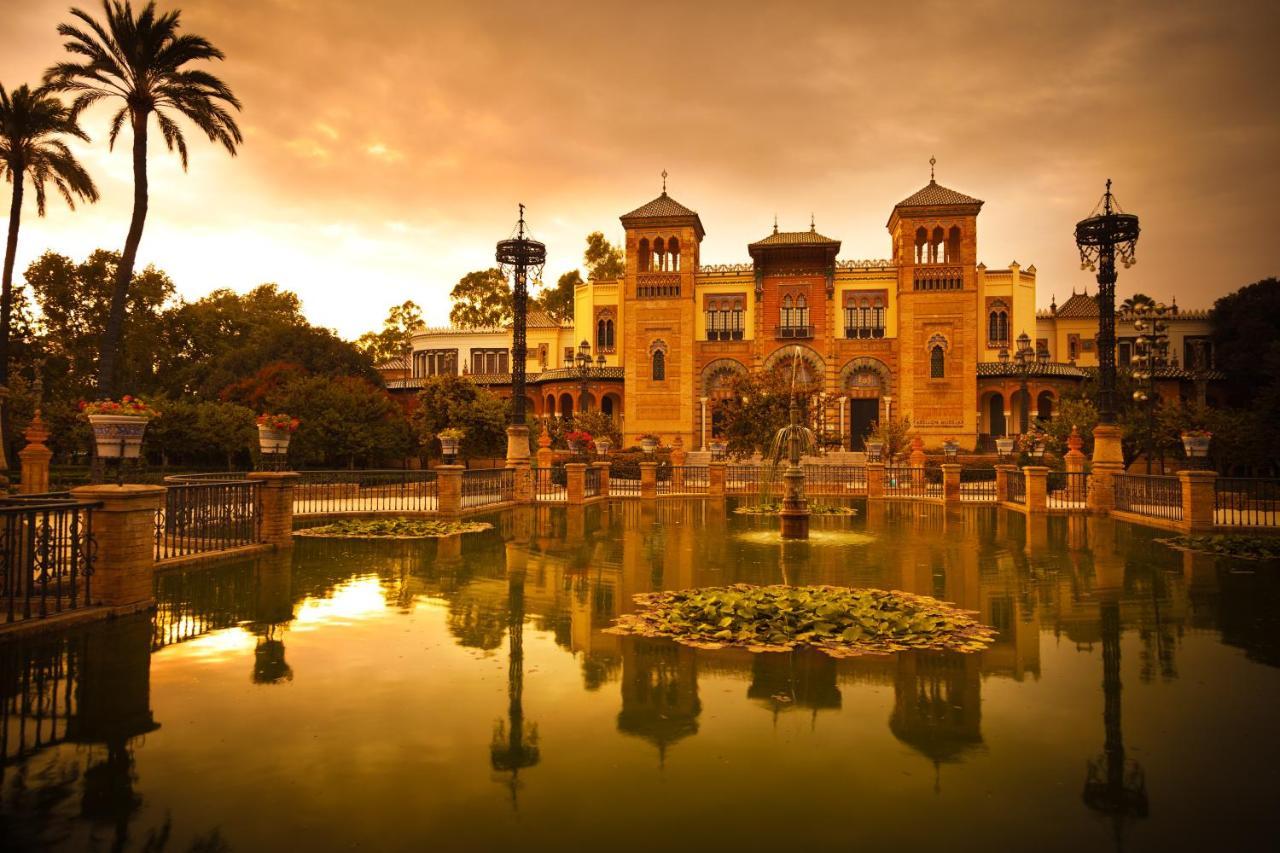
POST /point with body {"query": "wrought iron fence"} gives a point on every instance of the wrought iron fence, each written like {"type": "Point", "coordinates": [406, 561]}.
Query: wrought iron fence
{"type": "Point", "coordinates": [742, 479]}
{"type": "Point", "coordinates": [484, 486]}
{"type": "Point", "coordinates": [904, 482]}
{"type": "Point", "coordinates": [1155, 496]}
{"type": "Point", "coordinates": [200, 517]}
{"type": "Point", "coordinates": [624, 479]}
{"type": "Point", "coordinates": [1067, 490]}
{"type": "Point", "coordinates": [549, 484]}
{"type": "Point", "coordinates": [591, 482]}
{"type": "Point", "coordinates": [977, 484]}
{"type": "Point", "coordinates": [1016, 487]}
{"type": "Point", "coordinates": [374, 490]}
{"type": "Point", "coordinates": [686, 480]}
{"type": "Point", "coordinates": [41, 698]}
{"type": "Point", "coordinates": [835, 480]}
{"type": "Point", "coordinates": [46, 555]}
{"type": "Point", "coordinates": [1246, 502]}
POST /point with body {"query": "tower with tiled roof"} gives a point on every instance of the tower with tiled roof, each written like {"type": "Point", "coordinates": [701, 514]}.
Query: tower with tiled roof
{"type": "Point", "coordinates": [934, 233]}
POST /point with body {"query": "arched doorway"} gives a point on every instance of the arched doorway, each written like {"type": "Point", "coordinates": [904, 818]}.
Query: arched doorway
{"type": "Point", "coordinates": [1044, 405]}
{"type": "Point", "coordinates": [864, 381]}
{"type": "Point", "coordinates": [995, 416]}
{"type": "Point", "coordinates": [566, 405]}
{"type": "Point", "coordinates": [551, 405]}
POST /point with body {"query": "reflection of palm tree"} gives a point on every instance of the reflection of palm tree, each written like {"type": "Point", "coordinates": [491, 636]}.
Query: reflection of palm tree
{"type": "Point", "coordinates": [515, 743]}
{"type": "Point", "coordinates": [1114, 786]}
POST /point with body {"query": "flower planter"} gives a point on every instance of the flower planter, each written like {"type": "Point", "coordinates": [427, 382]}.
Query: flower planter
{"type": "Point", "coordinates": [603, 446]}
{"type": "Point", "coordinates": [1196, 445]}
{"type": "Point", "coordinates": [449, 448]}
{"type": "Point", "coordinates": [875, 451]}
{"type": "Point", "coordinates": [273, 441]}
{"type": "Point", "coordinates": [118, 436]}
{"type": "Point", "coordinates": [574, 446]}
{"type": "Point", "coordinates": [649, 445]}
{"type": "Point", "coordinates": [1004, 447]}
{"type": "Point", "coordinates": [718, 448]}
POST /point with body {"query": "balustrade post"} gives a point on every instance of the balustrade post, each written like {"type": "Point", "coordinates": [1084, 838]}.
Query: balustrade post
{"type": "Point", "coordinates": [917, 452]}
{"type": "Point", "coordinates": [1199, 494]}
{"type": "Point", "coordinates": [715, 479]}
{"type": "Point", "coordinates": [449, 489]}
{"type": "Point", "coordinates": [951, 482]}
{"type": "Point", "coordinates": [275, 506]}
{"type": "Point", "coordinates": [521, 481]}
{"type": "Point", "coordinates": [648, 480]}
{"type": "Point", "coordinates": [1108, 461]}
{"type": "Point", "coordinates": [875, 479]}
{"type": "Point", "coordinates": [1002, 482]}
{"type": "Point", "coordinates": [603, 468]}
{"type": "Point", "coordinates": [1037, 479]}
{"type": "Point", "coordinates": [35, 458]}
{"type": "Point", "coordinates": [124, 529]}
{"type": "Point", "coordinates": [575, 482]}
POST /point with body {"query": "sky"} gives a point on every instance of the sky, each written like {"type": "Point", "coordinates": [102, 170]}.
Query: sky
{"type": "Point", "coordinates": [387, 142]}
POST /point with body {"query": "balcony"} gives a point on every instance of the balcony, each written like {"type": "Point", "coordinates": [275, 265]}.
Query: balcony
{"type": "Point", "coordinates": [864, 331]}
{"type": "Point", "coordinates": [724, 335]}
{"type": "Point", "coordinates": [794, 332]}
{"type": "Point", "coordinates": [657, 285]}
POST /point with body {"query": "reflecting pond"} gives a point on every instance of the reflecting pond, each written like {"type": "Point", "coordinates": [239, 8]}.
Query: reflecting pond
{"type": "Point", "coordinates": [462, 695]}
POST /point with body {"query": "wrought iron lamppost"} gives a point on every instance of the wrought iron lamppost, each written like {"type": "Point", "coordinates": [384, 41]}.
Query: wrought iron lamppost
{"type": "Point", "coordinates": [521, 257]}
{"type": "Point", "coordinates": [586, 372]}
{"type": "Point", "coordinates": [1151, 353]}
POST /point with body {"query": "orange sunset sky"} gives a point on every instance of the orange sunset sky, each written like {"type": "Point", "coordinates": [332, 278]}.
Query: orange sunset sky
{"type": "Point", "coordinates": [387, 142]}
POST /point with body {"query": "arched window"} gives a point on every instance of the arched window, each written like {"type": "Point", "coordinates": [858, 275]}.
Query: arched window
{"type": "Point", "coordinates": [953, 245]}
{"type": "Point", "coordinates": [643, 254]}
{"type": "Point", "coordinates": [937, 362]}
{"type": "Point", "coordinates": [922, 246]}
{"type": "Point", "coordinates": [936, 251]}
{"type": "Point", "coordinates": [673, 250]}
{"type": "Point", "coordinates": [659, 255]}
{"type": "Point", "coordinates": [864, 320]}
{"type": "Point", "coordinates": [659, 372]}
{"type": "Point", "coordinates": [877, 318]}
{"type": "Point", "coordinates": [601, 336]}
{"type": "Point", "coordinates": [737, 328]}
{"type": "Point", "coordinates": [609, 344]}
{"type": "Point", "coordinates": [787, 312]}
{"type": "Point", "coordinates": [998, 324]}
{"type": "Point", "coordinates": [802, 312]}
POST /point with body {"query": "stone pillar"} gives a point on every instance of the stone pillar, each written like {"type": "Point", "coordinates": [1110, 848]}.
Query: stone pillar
{"type": "Point", "coordinates": [1108, 461]}
{"type": "Point", "coordinates": [603, 468]}
{"type": "Point", "coordinates": [35, 458]}
{"type": "Point", "coordinates": [517, 445]}
{"type": "Point", "coordinates": [1002, 482]}
{"type": "Point", "coordinates": [917, 452]}
{"type": "Point", "coordinates": [575, 482]}
{"type": "Point", "coordinates": [125, 530]}
{"type": "Point", "coordinates": [951, 482]}
{"type": "Point", "coordinates": [1198, 497]}
{"type": "Point", "coordinates": [449, 489]}
{"type": "Point", "coordinates": [875, 479]}
{"type": "Point", "coordinates": [545, 456]}
{"type": "Point", "coordinates": [1037, 488]}
{"type": "Point", "coordinates": [275, 506]}
{"type": "Point", "coordinates": [678, 457]}
{"type": "Point", "coordinates": [1074, 459]}
{"type": "Point", "coordinates": [702, 444]}
{"type": "Point", "coordinates": [521, 481]}
{"type": "Point", "coordinates": [648, 480]}
{"type": "Point", "coordinates": [715, 479]}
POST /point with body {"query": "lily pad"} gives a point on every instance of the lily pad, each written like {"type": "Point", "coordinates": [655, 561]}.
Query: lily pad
{"type": "Point", "coordinates": [393, 528]}
{"type": "Point", "coordinates": [1229, 545]}
{"type": "Point", "coordinates": [775, 507]}
{"type": "Point", "coordinates": [839, 621]}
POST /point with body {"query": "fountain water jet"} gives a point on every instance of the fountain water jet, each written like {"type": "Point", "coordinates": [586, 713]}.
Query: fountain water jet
{"type": "Point", "coordinates": [795, 439]}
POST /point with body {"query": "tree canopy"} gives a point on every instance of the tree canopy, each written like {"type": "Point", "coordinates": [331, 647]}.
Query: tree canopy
{"type": "Point", "coordinates": [558, 301]}
{"type": "Point", "coordinates": [603, 259]}
{"type": "Point", "coordinates": [481, 299]}
{"type": "Point", "coordinates": [395, 339]}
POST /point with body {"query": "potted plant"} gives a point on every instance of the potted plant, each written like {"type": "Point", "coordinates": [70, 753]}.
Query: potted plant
{"type": "Point", "coordinates": [603, 445]}
{"type": "Point", "coordinates": [875, 449]}
{"type": "Point", "coordinates": [274, 432]}
{"type": "Point", "coordinates": [118, 425]}
{"type": "Point", "coordinates": [649, 443]}
{"type": "Point", "coordinates": [1195, 443]}
{"type": "Point", "coordinates": [449, 439]}
{"type": "Point", "coordinates": [1004, 446]}
{"type": "Point", "coordinates": [718, 448]}
{"type": "Point", "coordinates": [577, 440]}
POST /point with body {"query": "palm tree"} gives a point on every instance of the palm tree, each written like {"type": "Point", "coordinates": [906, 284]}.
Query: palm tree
{"type": "Point", "coordinates": [140, 60]}
{"type": "Point", "coordinates": [1131, 304]}
{"type": "Point", "coordinates": [31, 124]}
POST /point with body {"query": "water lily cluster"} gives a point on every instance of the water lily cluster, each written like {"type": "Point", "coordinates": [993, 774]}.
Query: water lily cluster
{"type": "Point", "coordinates": [773, 507]}
{"type": "Point", "coordinates": [278, 423]}
{"type": "Point", "coordinates": [126, 405]}
{"type": "Point", "coordinates": [1229, 545]}
{"type": "Point", "coordinates": [838, 621]}
{"type": "Point", "coordinates": [393, 528]}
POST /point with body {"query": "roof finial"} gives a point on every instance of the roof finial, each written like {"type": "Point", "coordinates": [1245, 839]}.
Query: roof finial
{"type": "Point", "coordinates": [1108, 197]}
{"type": "Point", "coordinates": [933, 161]}
{"type": "Point", "coordinates": [813, 229]}
{"type": "Point", "coordinates": [775, 223]}
{"type": "Point", "coordinates": [664, 181]}
{"type": "Point", "coordinates": [521, 232]}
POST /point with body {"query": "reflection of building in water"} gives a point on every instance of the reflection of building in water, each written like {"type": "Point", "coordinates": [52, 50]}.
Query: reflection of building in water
{"type": "Point", "coordinates": [937, 708]}
{"type": "Point", "coordinates": [802, 679]}
{"type": "Point", "coordinates": [273, 611]}
{"type": "Point", "coordinates": [659, 692]}
{"type": "Point", "coordinates": [515, 741]}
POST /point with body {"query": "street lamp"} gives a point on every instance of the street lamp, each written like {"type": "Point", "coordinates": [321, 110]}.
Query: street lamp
{"type": "Point", "coordinates": [586, 372]}
{"type": "Point", "coordinates": [1101, 238]}
{"type": "Point", "coordinates": [1151, 352]}
{"type": "Point", "coordinates": [950, 449]}
{"type": "Point", "coordinates": [1024, 361]}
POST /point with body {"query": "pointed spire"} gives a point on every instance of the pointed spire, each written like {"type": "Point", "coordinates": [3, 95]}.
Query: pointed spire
{"type": "Point", "coordinates": [813, 229]}
{"type": "Point", "coordinates": [933, 161]}
{"type": "Point", "coordinates": [775, 223]}
{"type": "Point", "coordinates": [664, 181]}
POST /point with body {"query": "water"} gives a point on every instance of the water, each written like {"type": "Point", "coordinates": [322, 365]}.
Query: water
{"type": "Point", "coordinates": [364, 695]}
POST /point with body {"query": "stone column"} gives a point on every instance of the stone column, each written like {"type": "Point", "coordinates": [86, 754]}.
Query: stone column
{"type": "Point", "coordinates": [1073, 458]}
{"type": "Point", "coordinates": [917, 452]}
{"type": "Point", "coordinates": [1108, 461]}
{"type": "Point", "coordinates": [521, 482]}
{"type": "Point", "coordinates": [545, 456]}
{"type": "Point", "coordinates": [715, 479]}
{"type": "Point", "coordinates": [1198, 497]}
{"type": "Point", "coordinates": [575, 482]}
{"type": "Point", "coordinates": [843, 402]}
{"type": "Point", "coordinates": [951, 482]}
{"type": "Point", "coordinates": [603, 468]}
{"type": "Point", "coordinates": [678, 457]}
{"type": "Point", "coordinates": [517, 444]}
{"type": "Point", "coordinates": [125, 530]}
{"type": "Point", "coordinates": [648, 480]}
{"type": "Point", "coordinates": [35, 458]}
{"type": "Point", "coordinates": [275, 506]}
{"type": "Point", "coordinates": [1037, 488]}
{"type": "Point", "coordinates": [1002, 482]}
{"type": "Point", "coordinates": [875, 479]}
{"type": "Point", "coordinates": [449, 489]}
{"type": "Point", "coordinates": [702, 444]}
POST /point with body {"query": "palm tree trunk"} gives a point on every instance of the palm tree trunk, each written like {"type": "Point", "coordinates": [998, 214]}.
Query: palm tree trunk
{"type": "Point", "coordinates": [6, 301]}
{"type": "Point", "coordinates": [112, 336]}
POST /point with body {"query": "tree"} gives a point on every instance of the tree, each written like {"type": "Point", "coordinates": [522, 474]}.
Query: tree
{"type": "Point", "coordinates": [345, 420]}
{"type": "Point", "coordinates": [142, 62]}
{"type": "Point", "coordinates": [395, 340]}
{"type": "Point", "coordinates": [481, 299]}
{"type": "Point", "coordinates": [1132, 302]}
{"type": "Point", "coordinates": [604, 260]}
{"type": "Point", "coordinates": [32, 125]}
{"type": "Point", "coordinates": [558, 301]}
{"type": "Point", "coordinates": [456, 401]}
{"type": "Point", "coordinates": [758, 407]}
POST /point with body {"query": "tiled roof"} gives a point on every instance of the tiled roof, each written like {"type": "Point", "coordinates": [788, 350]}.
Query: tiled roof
{"type": "Point", "coordinates": [560, 374]}
{"type": "Point", "coordinates": [539, 319]}
{"type": "Point", "coordinates": [796, 238]}
{"type": "Point", "coordinates": [399, 362]}
{"type": "Point", "coordinates": [664, 207]}
{"type": "Point", "coordinates": [1079, 306]}
{"type": "Point", "coordinates": [998, 369]}
{"type": "Point", "coordinates": [936, 195]}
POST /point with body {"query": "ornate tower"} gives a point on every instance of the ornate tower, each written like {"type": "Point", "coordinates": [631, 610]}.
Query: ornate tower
{"type": "Point", "coordinates": [934, 236]}
{"type": "Point", "coordinates": [663, 239]}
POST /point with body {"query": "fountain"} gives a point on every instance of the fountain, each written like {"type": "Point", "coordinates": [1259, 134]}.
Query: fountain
{"type": "Point", "coordinates": [796, 439]}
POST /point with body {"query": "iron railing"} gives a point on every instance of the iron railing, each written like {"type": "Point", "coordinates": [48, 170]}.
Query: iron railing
{"type": "Point", "coordinates": [549, 484]}
{"type": "Point", "coordinates": [1067, 490]}
{"type": "Point", "coordinates": [1016, 487]}
{"type": "Point", "coordinates": [624, 479]}
{"type": "Point", "coordinates": [200, 517]}
{"type": "Point", "coordinates": [46, 555]}
{"type": "Point", "coordinates": [485, 486]}
{"type": "Point", "coordinates": [978, 484]}
{"type": "Point", "coordinates": [1155, 496]}
{"type": "Point", "coordinates": [40, 702]}
{"type": "Point", "coordinates": [742, 479]}
{"type": "Point", "coordinates": [900, 482]}
{"type": "Point", "coordinates": [1246, 502]}
{"type": "Point", "coordinates": [591, 482]}
{"type": "Point", "coordinates": [683, 480]}
{"type": "Point", "coordinates": [375, 490]}
{"type": "Point", "coordinates": [835, 480]}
